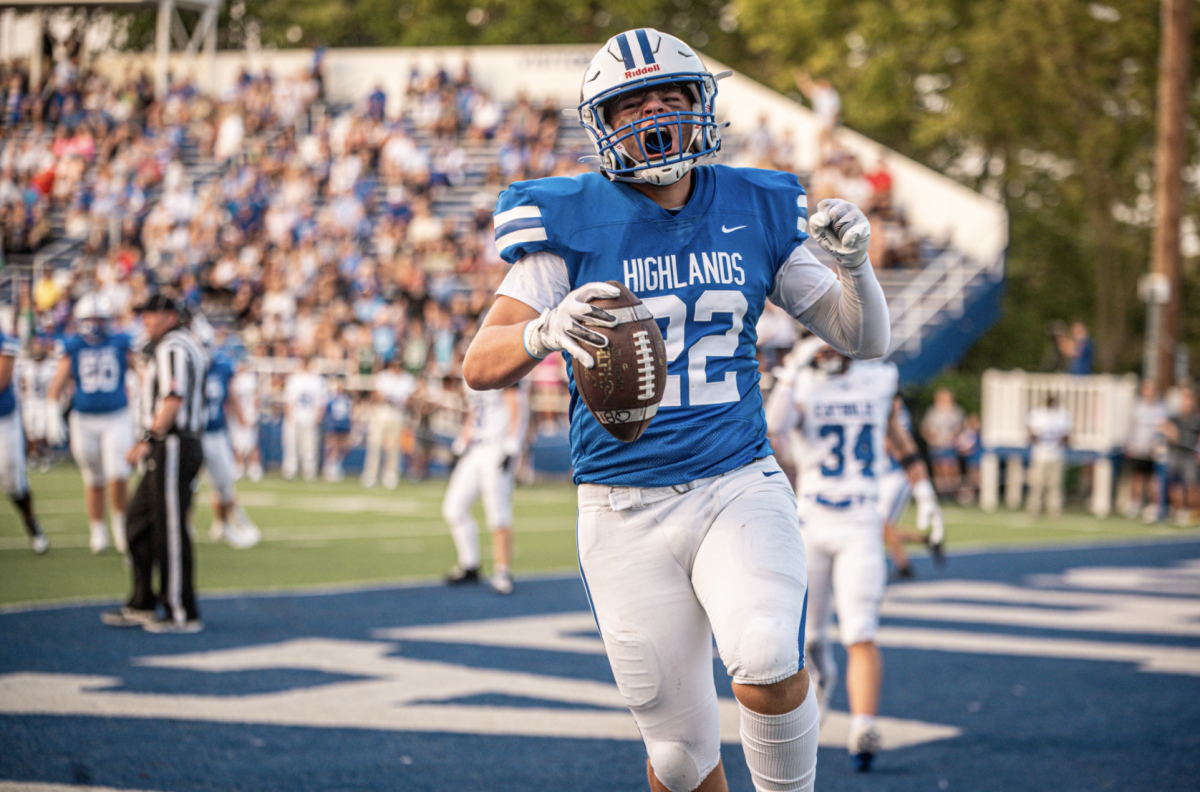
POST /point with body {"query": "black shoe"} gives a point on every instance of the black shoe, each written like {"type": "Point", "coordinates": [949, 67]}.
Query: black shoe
{"type": "Point", "coordinates": [458, 576]}
{"type": "Point", "coordinates": [128, 617]}
{"type": "Point", "coordinates": [903, 573]}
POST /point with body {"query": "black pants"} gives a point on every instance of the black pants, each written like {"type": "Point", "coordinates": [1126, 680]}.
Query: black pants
{"type": "Point", "coordinates": [157, 526]}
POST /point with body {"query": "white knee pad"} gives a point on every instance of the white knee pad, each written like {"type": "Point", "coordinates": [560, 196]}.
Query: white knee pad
{"type": "Point", "coordinates": [768, 650]}
{"type": "Point", "coordinates": [676, 767]}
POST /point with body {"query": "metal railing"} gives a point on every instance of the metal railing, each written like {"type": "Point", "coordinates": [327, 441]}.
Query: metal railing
{"type": "Point", "coordinates": [938, 288]}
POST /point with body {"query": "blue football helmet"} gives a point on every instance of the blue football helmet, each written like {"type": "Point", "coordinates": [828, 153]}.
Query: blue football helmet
{"type": "Point", "coordinates": [658, 149]}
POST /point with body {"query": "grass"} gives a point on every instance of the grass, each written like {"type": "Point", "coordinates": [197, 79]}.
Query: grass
{"type": "Point", "coordinates": [325, 533]}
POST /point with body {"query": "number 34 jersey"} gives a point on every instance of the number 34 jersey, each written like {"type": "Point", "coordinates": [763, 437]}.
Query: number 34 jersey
{"type": "Point", "coordinates": [704, 272]}
{"type": "Point", "coordinates": [98, 367]}
{"type": "Point", "coordinates": [839, 444]}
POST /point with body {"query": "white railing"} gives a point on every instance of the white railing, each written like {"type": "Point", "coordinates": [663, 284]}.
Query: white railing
{"type": "Point", "coordinates": [939, 287]}
{"type": "Point", "coordinates": [1100, 406]}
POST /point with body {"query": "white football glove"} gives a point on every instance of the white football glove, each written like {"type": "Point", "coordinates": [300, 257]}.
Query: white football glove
{"type": "Point", "coordinates": [563, 326]}
{"type": "Point", "coordinates": [56, 429]}
{"type": "Point", "coordinates": [929, 518]}
{"type": "Point", "coordinates": [841, 228]}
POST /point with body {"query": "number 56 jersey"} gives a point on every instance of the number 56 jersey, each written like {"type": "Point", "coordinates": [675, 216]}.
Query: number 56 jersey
{"type": "Point", "coordinates": [704, 272]}
{"type": "Point", "coordinates": [98, 366]}
{"type": "Point", "coordinates": [839, 444]}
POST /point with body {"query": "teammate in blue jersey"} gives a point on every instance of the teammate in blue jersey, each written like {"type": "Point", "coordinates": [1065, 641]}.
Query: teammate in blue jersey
{"type": "Point", "coordinates": [94, 362]}
{"type": "Point", "coordinates": [689, 532]}
{"type": "Point", "coordinates": [230, 523]}
{"type": "Point", "coordinates": [338, 425]}
{"type": "Point", "coordinates": [13, 475]}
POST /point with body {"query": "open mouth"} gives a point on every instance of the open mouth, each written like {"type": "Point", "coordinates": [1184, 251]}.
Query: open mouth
{"type": "Point", "coordinates": [658, 142]}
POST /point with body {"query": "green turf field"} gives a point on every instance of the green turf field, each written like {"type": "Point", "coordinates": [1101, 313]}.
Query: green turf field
{"type": "Point", "coordinates": [325, 534]}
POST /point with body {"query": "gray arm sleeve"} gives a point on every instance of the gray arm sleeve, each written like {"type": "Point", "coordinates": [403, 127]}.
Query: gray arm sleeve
{"type": "Point", "coordinates": [852, 316]}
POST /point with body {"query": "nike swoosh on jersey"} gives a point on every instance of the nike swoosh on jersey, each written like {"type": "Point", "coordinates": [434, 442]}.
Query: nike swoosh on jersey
{"type": "Point", "coordinates": [731, 230]}
{"type": "Point", "coordinates": [772, 472]}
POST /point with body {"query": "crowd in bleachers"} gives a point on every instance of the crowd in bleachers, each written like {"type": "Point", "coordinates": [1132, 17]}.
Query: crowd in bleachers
{"type": "Point", "coordinates": [308, 231]}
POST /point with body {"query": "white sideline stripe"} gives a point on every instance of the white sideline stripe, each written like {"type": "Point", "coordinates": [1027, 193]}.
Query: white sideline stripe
{"type": "Point", "coordinates": [517, 237]}
{"type": "Point", "coordinates": [1149, 658]}
{"type": "Point", "coordinates": [519, 213]}
{"type": "Point", "coordinates": [561, 634]}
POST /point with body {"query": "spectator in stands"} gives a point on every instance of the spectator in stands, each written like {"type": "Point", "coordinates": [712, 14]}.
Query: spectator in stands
{"type": "Point", "coordinates": [826, 105]}
{"type": "Point", "coordinates": [939, 428]}
{"type": "Point", "coordinates": [1182, 431]}
{"type": "Point", "coordinates": [1145, 427]}
{"type": "Point", "coordinates": [1075, 348]}
{"type": "Point", "coordinates": [1049, 435]}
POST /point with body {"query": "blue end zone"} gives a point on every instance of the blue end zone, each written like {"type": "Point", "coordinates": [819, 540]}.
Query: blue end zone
{"type": "Point", "coordinates": [1032, 722]}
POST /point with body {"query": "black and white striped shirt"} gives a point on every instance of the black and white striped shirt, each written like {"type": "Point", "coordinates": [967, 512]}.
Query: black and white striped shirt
{"type": "Point", "coordinates": [175, 366]}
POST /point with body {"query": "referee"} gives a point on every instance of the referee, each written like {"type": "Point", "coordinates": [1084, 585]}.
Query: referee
{"type": "Point", "coordinates": [174, 366]}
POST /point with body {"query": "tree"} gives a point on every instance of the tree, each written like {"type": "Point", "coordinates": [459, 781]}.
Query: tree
{"type": "Point", "coordinates": [1046, 104]}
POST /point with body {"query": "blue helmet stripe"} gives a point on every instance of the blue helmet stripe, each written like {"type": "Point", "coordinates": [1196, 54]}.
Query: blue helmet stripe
{"type": "Point", "coordinates": [626, 52]}
{"type": "Point", "coordinates": [644, 40]}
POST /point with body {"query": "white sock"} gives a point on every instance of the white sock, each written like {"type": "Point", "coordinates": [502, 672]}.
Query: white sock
{"type": "Point", "coordinates": [781, 750]}
{"type": "Point", "coordinates": [98, 528]}
{"type": "Point", "coordinates": [118, 531]}
{"type": "Point", "coordinates": [466, 541]}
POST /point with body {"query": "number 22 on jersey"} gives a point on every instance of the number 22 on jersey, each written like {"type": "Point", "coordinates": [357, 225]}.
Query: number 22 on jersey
{"type": "Point", "coordinates": [700, 390]}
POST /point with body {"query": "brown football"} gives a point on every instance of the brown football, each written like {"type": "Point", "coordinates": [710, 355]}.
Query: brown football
{"type": "Point", "coordinates": [625, 386]}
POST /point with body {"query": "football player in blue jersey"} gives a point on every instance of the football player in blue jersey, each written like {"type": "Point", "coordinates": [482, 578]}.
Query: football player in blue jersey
{"type": "Point", "coordinates": [230, 523]}
{"type": "Point", "coordinates": [689, 532]}
{"type": "Point", "coordinates": [94, 360]}
{"type": "Point", "coordinates": [13, 475]}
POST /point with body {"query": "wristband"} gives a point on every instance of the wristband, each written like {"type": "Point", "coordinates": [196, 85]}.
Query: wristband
{"type": "Point", "coordinates": [525, 341]}
{"type": "Point", "coordinates": [150, 437]}
{"type": "Point", "coordinates": [911, 459]}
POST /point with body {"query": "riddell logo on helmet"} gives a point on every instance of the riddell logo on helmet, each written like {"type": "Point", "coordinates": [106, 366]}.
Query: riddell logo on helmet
{"type": "Point", "coordinates": [644, 70]}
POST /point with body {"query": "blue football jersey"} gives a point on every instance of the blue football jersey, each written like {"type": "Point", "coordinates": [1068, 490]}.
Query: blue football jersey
{"type": "Point", "coordinates": [9, 347]}
{"type": "Point", "coordinates": [704, 272]}
{"type": "Point", "coordinates": [98, 366]}
{"type": "Point", "coordinates": [337, 413]}
{"type": "Point", "coordinates": [216, 389]}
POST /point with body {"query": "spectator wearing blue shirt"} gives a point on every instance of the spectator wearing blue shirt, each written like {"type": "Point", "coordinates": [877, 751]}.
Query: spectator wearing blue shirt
{"type": "Point", "coordinates": [1076, 349]}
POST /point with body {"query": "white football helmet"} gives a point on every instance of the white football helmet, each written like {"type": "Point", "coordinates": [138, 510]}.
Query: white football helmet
{"type": "Point", "coordinates": [635, 61]}
{"type": "Point", "coordinates": [829, 361]}
{"type": "Point", "coordinates": [92, 314]}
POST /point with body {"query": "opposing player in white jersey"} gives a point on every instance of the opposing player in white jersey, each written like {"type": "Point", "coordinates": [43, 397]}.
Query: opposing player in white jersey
{"type": "Point", "coordinates": [34, 375]}
{"type": "Point", "coordinates": [13, 479]}
{"type": "Point", "coordinates": [839, 413]}
{"type": "Point", "coordinates": [230, 523]}
{"type": "Point", "coordinates": [690, 532]}
{"type": "Point", "coordinates": [95, 361]}
{"type": "Point", "coordinates": [243, 428]}
{"type": "Point", "coordinates": [488, 449]}
{"type": "Point", "coordinates": [303, 405]}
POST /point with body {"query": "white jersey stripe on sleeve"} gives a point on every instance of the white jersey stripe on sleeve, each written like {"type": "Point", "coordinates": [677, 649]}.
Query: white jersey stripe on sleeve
{"type": "Point", "coordinates": [517, 237]}
{"type": "Point", "coordinates": [519, 213]}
